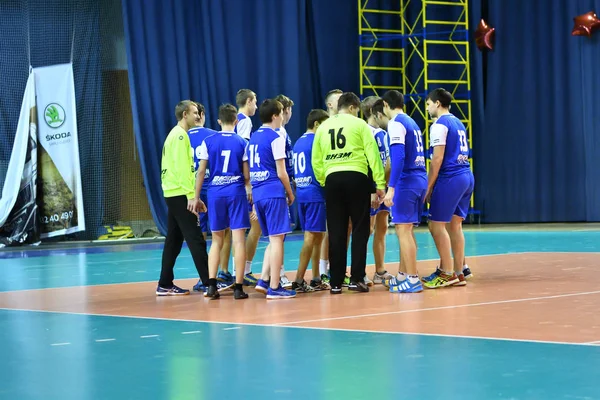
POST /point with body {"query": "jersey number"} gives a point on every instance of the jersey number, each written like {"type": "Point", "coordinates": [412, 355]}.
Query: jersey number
{"type": "Point", "coordinates": [225, 154]}
{"type": "Point", "coordinates": [418, 141]}
{"type": "Point", "coordinates": [299, 162]}
{"type": "Point", "coordinates": [254, 157]}
{"type": "Point", "coordinates": [464, 145]}
{"type": "Point", "coordinates": [337, 140]}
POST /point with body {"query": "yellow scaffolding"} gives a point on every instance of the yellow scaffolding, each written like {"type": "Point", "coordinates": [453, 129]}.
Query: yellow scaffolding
{"type": "Point", "coordinates": [431, 41]}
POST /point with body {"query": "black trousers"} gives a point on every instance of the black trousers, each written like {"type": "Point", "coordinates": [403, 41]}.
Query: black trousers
{"type": "Point", "coordinates": [348, 196]}
{"type": "Point", "coordinates": [181, 225]}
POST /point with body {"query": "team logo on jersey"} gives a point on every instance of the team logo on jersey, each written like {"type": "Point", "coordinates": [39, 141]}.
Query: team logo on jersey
{"type": "Point", "coordinates": [54, 115]}
{"type": "Point", "coordinates": [225, 180]}
{"type": "Point", "coordinates": [259, 176]}
{"type": "Point", "coordinates": [379, 142]}
{"type": "Point", "coordinates": [304, 182]}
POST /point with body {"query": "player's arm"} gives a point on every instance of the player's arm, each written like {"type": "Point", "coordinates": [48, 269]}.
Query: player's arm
{"type": "Point", "coordinates": [388, 166]}
{"type": "Point", "coordinates": [246, 172]}
{"type": "Point", "coordinates": [244, 128]}
{"type": "Point", "coordinates": [317, 158]}
{"type": "Point", "coordinates": [278, 148]}
{"type": "Point", "coordinates": [182, 169]}
{"type": "Point", "coordinates": [437, 137]}
{"type": "Point", "coordinates": [373, 156]}
{"type": "Point", "coordinates": [397, 133]}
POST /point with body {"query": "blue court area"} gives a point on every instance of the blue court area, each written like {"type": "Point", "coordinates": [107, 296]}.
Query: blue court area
{"type": "Point", "coordinates": [77, 356]}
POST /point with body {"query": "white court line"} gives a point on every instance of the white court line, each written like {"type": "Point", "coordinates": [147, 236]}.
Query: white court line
{"type": "Point", "coordinates": [285, 326]}
{"type": "Point", "coordinates": [231, 329]}
{"type": "Point", "coordinates": [105, 340]}
{"type": "Point", "coordinates": [190, 332]}
{"type": "Point", "coordinates": [488, 303]}
{"type": "Point", "coordinates": [596, 342]}
{"type": "Point", "coordinates": [60, 344]}
{"type": "Point", "coordinates": [148, 336]}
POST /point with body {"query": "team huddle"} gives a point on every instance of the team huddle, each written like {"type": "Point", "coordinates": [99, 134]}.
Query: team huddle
{"type": "Point", "coordinates": [236, 180]}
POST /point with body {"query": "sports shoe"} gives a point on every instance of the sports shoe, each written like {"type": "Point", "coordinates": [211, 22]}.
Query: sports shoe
{"type": "Point", "coordinates": [302, 287]}
{"type": "Point", "coordinates": [225, 277]}
{"type": "Point", "coordinates": [467, 272]}
{"type": "Point", "coordinates": [462, 281]}
{"type": "Point", "coordinates": [172, 291]}
{"type": "Point", "coordinates": [239, 294]}
{"type": "Point", "coordinates": [221, 287]}
{"type": "Point", "coordinates": [431, 277]}
{"type": "Point", "coordinates": [280, 293]}
{"type": "Point", "coordinates": [262, 286]}
{"type": "Point", "coordinates": [250, 280]}
{"type": "Point", "coordinates": [379, 279]}
{"type": "Point", "coordinates": [367, 281]}
{"type": "Point", "coordinates": [358, 287]}
{"type": "Point", "coordinates": [285, 282]}
{"type": "Point", "coordinates": [199, 287]}
{"type": "Point", "coordinates": [405, 286]}
{"type": "Point", "coordinates": [442, 280]}
{"type": "Point", "coordinates": [335, 290]}
{"type": "Point", "coordinates": [320, 285]}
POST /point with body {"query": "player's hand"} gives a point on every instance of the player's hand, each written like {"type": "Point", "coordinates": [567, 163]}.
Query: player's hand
{"type": "Point", "coordinates": [374, 201]}
{"type": "Point", "coordinates": [192, 206]}
{"type": "Point", "coordinates": [427, 197]}
{"type": "Point", "coordinates": [388, 200]}
{"type": "Point", "coordinates": [249, 194]}
{"type": "Point", "coordinates": [290, 198]}
{"type": "Point", "coordinates": [201, 207]}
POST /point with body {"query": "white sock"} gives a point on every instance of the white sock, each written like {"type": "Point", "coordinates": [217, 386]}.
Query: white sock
{"type": "Point", "coordinates": [401, 276]}
{"type": "Point", "coordinates": [323, 267]}
{"type": "Point", "coordinates": [248, 268]}
{"type": "Point", "coordinates": [282, 272]}
{"type": "Point", "coordinates": [413, 279]}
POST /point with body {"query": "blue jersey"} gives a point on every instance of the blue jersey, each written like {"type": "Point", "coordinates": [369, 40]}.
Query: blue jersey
{"type": "Point", "coordinates": [264, 148]}
{"type": "Point", "coordinates": [197, 136]}
{"type": "Point", "coordinates": [244, 126]}
{"type": "Point", "coordinates": [308, 190]}
{"type": "Point", "coordinates": [225, 153]}
{"type": "Point", "coordinates": [289, 153]}
{"type": "Point", "coordinates": [381, 137]}
{"type": "Point", "coordinates": [407, 153]}
{"type": "Point", "coordinates": [449, 131]}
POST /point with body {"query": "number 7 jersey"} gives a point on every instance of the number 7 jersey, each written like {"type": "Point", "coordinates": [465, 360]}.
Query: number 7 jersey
{"type": "Point", "coordinates": [449, 131]}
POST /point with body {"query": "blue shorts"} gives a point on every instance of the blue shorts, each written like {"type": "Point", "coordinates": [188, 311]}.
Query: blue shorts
{"type": "Point", "coordinates": [312, 216]}
{"type": "Point", "coordinates": [228, 212]}
{"type": "Point", "coordinates": [382, 207]}
{"type": "Point", "coordinates": [203, 217]}
{"type": "Point", "coordinates": [273, 216]}
{"type": "Point", "coordinates": [451, 196]}
{"type": "Point", "coordinates": [408, 206]}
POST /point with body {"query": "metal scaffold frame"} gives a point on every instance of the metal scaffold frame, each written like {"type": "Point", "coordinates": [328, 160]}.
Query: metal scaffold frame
{"type": "Point", "coordinates": [417, 47]}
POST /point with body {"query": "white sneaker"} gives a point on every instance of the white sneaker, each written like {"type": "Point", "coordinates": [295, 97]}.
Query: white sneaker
{"type": "Point", "coordinates": [380, 279]}
{"type": "Point", "coordinates": [367, 281]}
{"type": "Point", "coordinates": [285, 282]}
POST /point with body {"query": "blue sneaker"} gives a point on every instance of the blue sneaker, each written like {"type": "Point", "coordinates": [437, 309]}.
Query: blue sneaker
{"type": "Point", "coordinates": [250, 280]}
{"type": "Point", "coordinates": [262, 286]}
{"type": "Point", "coordinates": [431, 277]}
{"type": "Point", "coordinates": [172, 291]}
{"type": "Point", "coordinates": [405, 286]}
{"type": "Point", "coordinates": [199, 287]}
{"type": "Point", "coordinates": [280, 293]}
{"type": "Point", "coordinates": [226, 278]}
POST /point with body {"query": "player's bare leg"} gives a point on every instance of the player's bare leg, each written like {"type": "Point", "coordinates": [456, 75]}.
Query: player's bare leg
{"type": "Point", "coordinates": [379, 245]}
{"type": "Point", "coordinates": [441, 238]}
{"type": "Point", "coordinates": [275, 263]}
{"type": "Point", "coordinates": [214, 256]}
{"type": "Point", "coordinates": [238, 237]}
{"type": "Point", "coordinates": [311, 239]}
{"type": "Point", "coordinates": [407, 281]}
{"type": "Point", "coordinates": [457, 240]}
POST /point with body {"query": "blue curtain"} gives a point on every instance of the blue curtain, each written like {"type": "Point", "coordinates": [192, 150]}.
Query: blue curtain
{"type": "Point", "coordinates": [206, 50]}
{"type": "Point", "coordinates": [540, 140]}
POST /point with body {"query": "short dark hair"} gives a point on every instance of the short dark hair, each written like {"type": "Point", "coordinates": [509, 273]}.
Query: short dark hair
{"type": "Point", "coordinates": [200, 108]}
{"type": "Point", "coordinates": [183, 106]}
{"type": "Point", "coordinates": [442, 95]}
{"type": "Point", "coordinates": [348, 99]}
{"type": "Point", "coordinates": [242, 97]}
{"type": "Point", "coordinates": [316, 115]}
{"type": "Point", "coordinates": [394, 98]}
{"type": "Point", "coordinates": [377, 107]}
{"type": "Point", "coordinates": [227, 114]}
{"type": "Point", "coordinates": [267, 109]}
{"type": "Point", "coordinates": [367, 104]}
{"type": "Point", "coordinates": [331, 93]}
{"type": "Point", "coordinates": [285, 101]}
